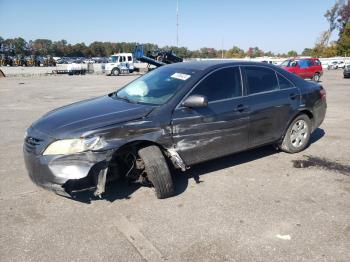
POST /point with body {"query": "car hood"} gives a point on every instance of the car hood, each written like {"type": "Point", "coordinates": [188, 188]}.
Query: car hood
{"type": "Point", "coordinates": [88, 115]}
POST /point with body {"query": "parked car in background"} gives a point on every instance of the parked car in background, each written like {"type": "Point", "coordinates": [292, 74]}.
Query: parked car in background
{"type": "Point", "coordinates": [341, 64]}
{"type": "Point", "coordinates": [178, 115]}
{"type": "Point", "coordinates": [346, 71]}
{"type": "Point", "coordinates": [305, 68]}
{"type": "Point", "coordinates": [89, 61]}
{"type": "Point", "coordinates": [333, 65]}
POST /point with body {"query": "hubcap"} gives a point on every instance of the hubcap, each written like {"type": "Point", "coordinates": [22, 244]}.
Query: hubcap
{"type": "Point", "coordinates": [299, 133]}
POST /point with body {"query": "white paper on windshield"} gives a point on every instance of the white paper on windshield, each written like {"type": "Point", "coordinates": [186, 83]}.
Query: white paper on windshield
{"type": "Point", "coordinates": [180, 76]}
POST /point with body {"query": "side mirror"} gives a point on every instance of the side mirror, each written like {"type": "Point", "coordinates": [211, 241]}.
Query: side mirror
{"type": "Point", "coordinates": [195, 101]}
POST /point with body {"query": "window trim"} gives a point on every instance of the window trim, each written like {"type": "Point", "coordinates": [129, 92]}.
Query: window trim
{"type": "Point", "coordinates": [247, 84]}
{"type": "Point", "coordinates": [280, 75]}
{"type": "Point", "coordinates": [179, 106]}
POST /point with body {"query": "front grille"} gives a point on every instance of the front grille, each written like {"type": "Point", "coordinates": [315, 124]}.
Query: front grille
{"type": "Point", "coordinates": [30, 143]}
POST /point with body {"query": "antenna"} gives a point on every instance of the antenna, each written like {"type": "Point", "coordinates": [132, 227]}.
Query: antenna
{"type": "Point", "coordinates": [177, 23]}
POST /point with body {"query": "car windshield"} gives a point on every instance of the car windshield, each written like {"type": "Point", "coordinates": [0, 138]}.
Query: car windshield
{"type": "Point", "coordinates": [285, 63]}
{"type": "Point", "coordinates": [113, 59]}
{"type": "Point", "coordinates": [156, 87]}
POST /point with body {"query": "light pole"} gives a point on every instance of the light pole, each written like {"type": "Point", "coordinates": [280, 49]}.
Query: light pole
{"type": "Point", "coordinates": [177, 23]}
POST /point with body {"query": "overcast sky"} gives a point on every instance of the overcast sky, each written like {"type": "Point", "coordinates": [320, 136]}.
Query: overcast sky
{"type": "Point", "coordinates": [272, 25]}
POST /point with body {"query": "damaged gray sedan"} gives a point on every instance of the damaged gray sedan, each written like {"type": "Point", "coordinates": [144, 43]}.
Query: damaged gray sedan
{"type": "Point", "coordinates": [173, 117]}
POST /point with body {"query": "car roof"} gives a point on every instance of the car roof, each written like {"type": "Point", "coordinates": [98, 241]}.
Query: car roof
{"type": "Point", "coordinates": [204, 65]}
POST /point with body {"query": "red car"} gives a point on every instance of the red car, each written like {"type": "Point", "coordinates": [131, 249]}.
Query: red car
{"type": "Point", "coordinates": [304, 67]}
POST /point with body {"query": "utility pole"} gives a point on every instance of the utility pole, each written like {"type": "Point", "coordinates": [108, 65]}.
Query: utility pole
{"type": "Point", "coordinates": [222, 47]}
{"type": "Point", "coordinates": [177, 23]}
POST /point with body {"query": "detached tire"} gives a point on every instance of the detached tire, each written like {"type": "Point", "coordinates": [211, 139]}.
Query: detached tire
{"type": "Point", "coordinates": [297, 136]}
{"type": "Point", "coordinates": [157, 171]}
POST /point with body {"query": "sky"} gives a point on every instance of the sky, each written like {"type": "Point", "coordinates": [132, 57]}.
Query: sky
{"type": "Point", "coordinates": [272, 25]}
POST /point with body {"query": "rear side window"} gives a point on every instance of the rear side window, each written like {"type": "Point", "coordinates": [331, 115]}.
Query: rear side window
{"type": "Point", "coordinates": [129, 58]}
{"type": "Point", "coordinates": [283, 82]}
{"type": "Point", "coordinates": [261, 79]}
{"type": "Point", "coordinates": [222, 84]}
{"type": "Point", "coordinates": [305, 63]}
{"type": "Point", "coordinates": [317, 62]}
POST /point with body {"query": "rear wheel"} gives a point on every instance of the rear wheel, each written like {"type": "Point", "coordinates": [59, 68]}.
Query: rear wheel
{"type": "Point", "coordinates": [316, 77]}
{"type": "Point", "coordinates": [157, 171]}
{"type": "Point", "coordinates": [297, 136]}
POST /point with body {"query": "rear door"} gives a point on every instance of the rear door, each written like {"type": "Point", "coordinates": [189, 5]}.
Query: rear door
{"type": "Point", "coordinates": [273, 100]}
{"type": "Point", "coordinates": [306, 68]}
{"type": "Point", "coordinates": [219, 129]}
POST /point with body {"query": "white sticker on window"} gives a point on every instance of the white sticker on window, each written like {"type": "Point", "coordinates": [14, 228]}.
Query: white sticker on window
{"type": "Point", "coordinates": [180, 76]}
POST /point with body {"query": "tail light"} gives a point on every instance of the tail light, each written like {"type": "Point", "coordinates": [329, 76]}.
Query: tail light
{"type": "Point", "coordinates": [323, 93]}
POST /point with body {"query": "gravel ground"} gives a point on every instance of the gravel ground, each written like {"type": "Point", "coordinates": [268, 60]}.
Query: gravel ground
{"type": "Point", "coordinates": [252, 206]}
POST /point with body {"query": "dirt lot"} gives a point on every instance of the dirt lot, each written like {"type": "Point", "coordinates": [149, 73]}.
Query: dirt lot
{"type": "Point", "coordinates": [253, 206]}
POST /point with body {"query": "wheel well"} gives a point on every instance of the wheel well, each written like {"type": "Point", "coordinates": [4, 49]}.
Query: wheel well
{"type": "Point", "coordinates": [135, 146]}
{"type": "Point", "coordinates": [132, 147]}
{"type": "Point", "coordinates": [308, 113]}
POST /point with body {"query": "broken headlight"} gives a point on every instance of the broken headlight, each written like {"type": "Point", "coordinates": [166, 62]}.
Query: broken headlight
{"type": "Point", "coordinates": [71, 146]}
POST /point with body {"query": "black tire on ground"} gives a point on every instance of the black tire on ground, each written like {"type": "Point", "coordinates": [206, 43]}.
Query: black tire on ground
{"type": "Point", "coordinates": [157, 171]}
{"type": "Point", "coordinates": [115, 72]}
{"type": "Point", "coordinates": [296, 140]}
{"type": "Point", "coordinates": [316, 77]}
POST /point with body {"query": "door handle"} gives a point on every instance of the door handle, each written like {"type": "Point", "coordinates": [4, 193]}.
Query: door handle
{"type": "Point", "coordinates": [240, 108]}
{"type": "Point", "coordinates": [293, 96]}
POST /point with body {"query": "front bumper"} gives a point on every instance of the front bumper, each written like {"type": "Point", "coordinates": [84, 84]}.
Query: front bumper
{"type": "Point", "coordinates": [64, 174]}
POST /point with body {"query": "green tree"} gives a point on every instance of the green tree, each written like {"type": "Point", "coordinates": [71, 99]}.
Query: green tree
{"type": "Point", "coordinates": [292, 53]}
{"type": "Point", "coordinates": [235, 52]}
{"type": "Point", "coordinates": [42, 47]}
{"type": "Point", "coordinates": [344, 41]}
{"type": "Point", "coordinates": [307, 52]}
{"type": "Point", "coordinates": [254, 52]}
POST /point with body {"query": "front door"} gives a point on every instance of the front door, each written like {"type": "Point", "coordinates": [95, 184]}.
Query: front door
{"type": "Point", "coordinates": [219, 129]}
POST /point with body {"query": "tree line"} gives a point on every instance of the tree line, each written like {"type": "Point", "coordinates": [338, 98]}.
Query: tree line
{"type": "Point", "coordinates": [45, 47]}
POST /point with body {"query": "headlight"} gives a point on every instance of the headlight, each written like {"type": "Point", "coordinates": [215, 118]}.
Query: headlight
{"type": "Point", "coordinates": [71, 146]}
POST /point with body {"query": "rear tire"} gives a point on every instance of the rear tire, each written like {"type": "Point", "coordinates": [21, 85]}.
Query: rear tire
{"type": "Point", "coordinates": [157, 171]}
{"type": "Point", "coordinates": [297, 136]}
{"type": "Point", "coordinates": [316, 77]}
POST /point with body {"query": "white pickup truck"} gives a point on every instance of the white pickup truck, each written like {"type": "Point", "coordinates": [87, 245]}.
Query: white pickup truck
{"type": "Point", "coordinates": [118, 62]}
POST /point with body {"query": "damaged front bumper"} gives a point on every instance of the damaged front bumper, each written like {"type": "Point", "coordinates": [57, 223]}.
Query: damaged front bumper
{"type": "Point", "coordinates": [65, 174]}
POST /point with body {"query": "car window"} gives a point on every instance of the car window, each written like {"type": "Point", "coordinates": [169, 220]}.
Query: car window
{"type": "Point", "coordinates": [283, 82]}
{"type": "Point", "coordinates": [317, 62]}
{"type": "Point", "coordinates": [261, 79]}
{"type": "Point", "coordinates": [222, 84]}
{"type": "Point", "coordinates": [129, 58]}
{"type": "Point", "coordinates": [294, 63]}
{"type": "Point", "coordinates": [285, 63]}
{"type": "Point", "coordinates": [305, 63]}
